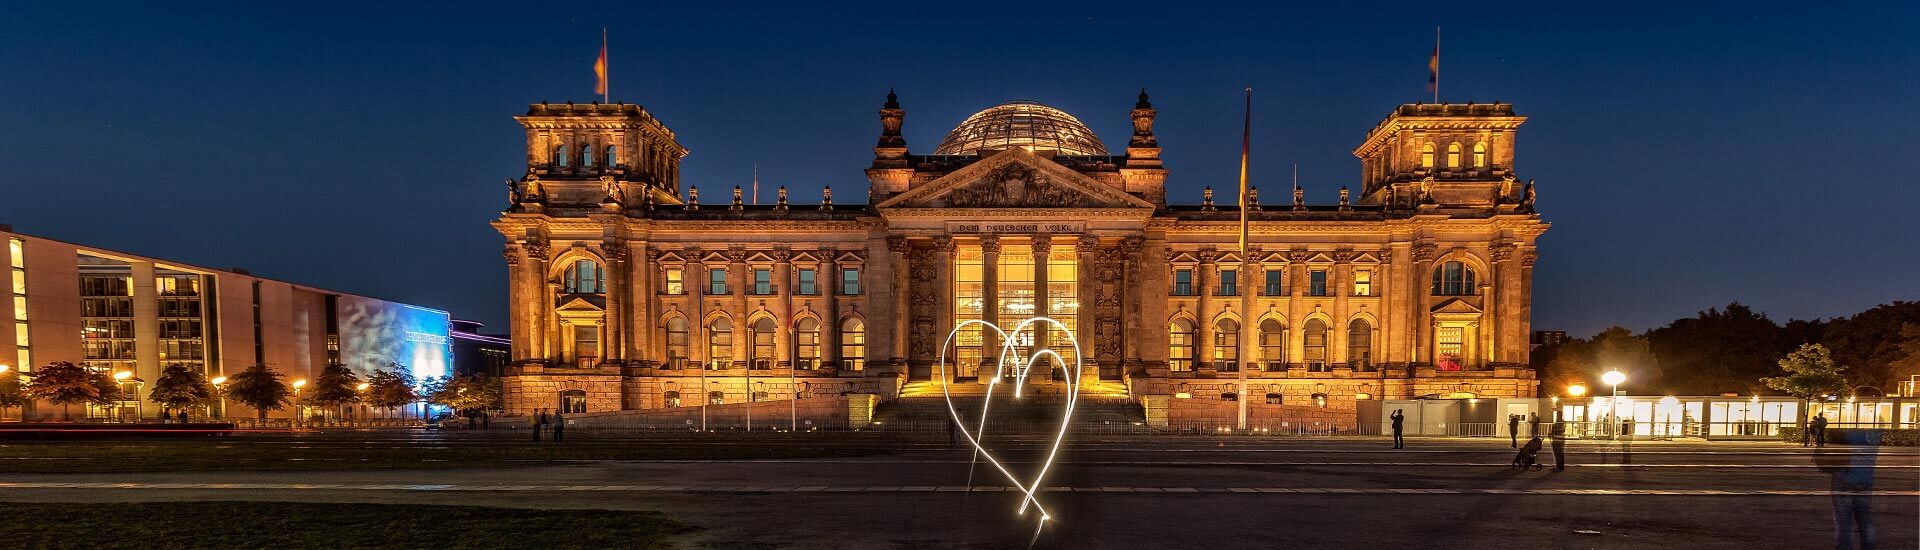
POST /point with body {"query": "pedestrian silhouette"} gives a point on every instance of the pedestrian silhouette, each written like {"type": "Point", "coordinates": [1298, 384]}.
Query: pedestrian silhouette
{"type": "Point", "coordinates": [1399, 427]}
{"type": "Point", "coordinates": [183, 416]}
{"type": "Point", "coordinates": [1513, 431]}
{"type": "Point", "coordinates": [1851, 476]}
{"type": "Point", "coordinates": [1819, 430]}
{"type": "Point", "coordinates": [1559, 434]}
{"type": "Point", "coordinates": [539, 420]}
{"type": "Point", "coordinates": [165, 416]}
{"type": "Point", "coordinates": [953, 433]}
{"type": "Point", "coordinates": [559, 427]}
{"type": "Point", "coordinates": [1533, 425]}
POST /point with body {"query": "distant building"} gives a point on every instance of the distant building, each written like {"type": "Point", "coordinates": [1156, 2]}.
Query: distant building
{"type": "Point", "coordinates": [122, 312]}
{"type": "Point", "coordinates": [629, 292]}
{"type": "Point", "coordinates": [1548, 338]}
{"type": "Point", "coordinates": [474, 352]}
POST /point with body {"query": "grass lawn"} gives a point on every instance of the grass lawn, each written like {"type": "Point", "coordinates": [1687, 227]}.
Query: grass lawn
{"type": "Point", "coordinates": [317, 525]}
{"type": "Point", "coordinates": [345, 451]}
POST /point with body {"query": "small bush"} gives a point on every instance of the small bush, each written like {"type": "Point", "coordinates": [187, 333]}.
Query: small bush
{"type": "Point", "coordinates": [1859, 436]}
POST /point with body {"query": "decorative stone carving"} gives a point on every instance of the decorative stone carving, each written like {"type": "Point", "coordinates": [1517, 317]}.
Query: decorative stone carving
{"type": "Point", "coordinates": [536, 248]}
{"type": "Point", "coordinates": [1299, 254]}
{"type": "Point", "coordinates": [611, 186]}
{"type": "Point", "coordinates": [1346, 202]}
{"type": "Point", "coordinates": [1015, 185]}
{"type": "Point", "coordinates": [990, 244]}
{"type": "Point", "coordinates": [1299, 198]}
{"type": "Point", "coordinates": [898, 245]}
{"type": "Point", "coordinates": [1042, 245]}
{"type": "Point", "coordinates": [1343, 255]}
{"type": "Point", "coordinates": [1253, 198]}
{"type": "Point", "coordinates": [614, 250]}
{"type": "Point", "coordinates": [1528, 256]}
{"type": "Point", "coordinates": [1501, 251]}
{"type": "Point", "coordinates": [943, 245]}
{"type": "Point", "coordinates": [1206, 198]}
{"type": "Point", "coordinates": [693, 197]}
{"type": "Point", "coordinates": [1425, 251]}
{"type": "Point", "coordinates": [1385, 255]}
{"type": "Point", "coordinates": [512, 254]}
{"type": "Point", "coordinates": [1143, 114]}
{"type": "Point", "coordinates": [1526, 202]}
{"type": "Point", "coordinates": [780, 203]}
{"type": "Point", "coordinates": [826, 198]}
{"type": "Point", "coordinates": [737, 203]}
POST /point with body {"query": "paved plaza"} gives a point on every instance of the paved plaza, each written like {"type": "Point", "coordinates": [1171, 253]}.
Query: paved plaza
{"type": "Point", "coordinates": [1116, 492]}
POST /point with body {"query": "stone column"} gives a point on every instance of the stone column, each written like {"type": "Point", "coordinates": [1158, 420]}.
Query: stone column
{"type": "Point", "coordinates": [1089, 311]}
{"type": "Point", "coordinates": [613, 322]}
{"type": "Point", "coordinates": [1523, 306]}
{"type": "Point", "coordinates": [1423, 256]}
{"type": "Point", "coordinates": [739, 280]}
{"type": "Point", "coordinates": [1042, 246]}
{"type": "Point", "coordinates": [943, 307]}
{"type": "Point", "coordinates": [1135, 295]}
{"type": "Point", "coordinates": [900, 316]}
{"type": "Point", "coordinates": [642, 319]}
{"type": "Point", "coordinates": [824, 273]}
{"type": "Point", "coordinates": [783, 307]}
{"type": "Point", "coordinates": [518, 304]}
{"type": "Point", "coordinates": [538, 297]}
{"type": "Point", "coordinates": [989, 305]}
{"type": "Point", "coordinates": [1340, 283]}
{"type": "Point", "coordinates": [1296, 284]}
{"type": "Point", "coordinates": [1203, 314]}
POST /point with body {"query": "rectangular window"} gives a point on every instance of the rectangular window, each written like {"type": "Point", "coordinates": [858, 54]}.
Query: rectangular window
{"type": "Point", "coordinates": [717, 280]}
{"type": "Point", "coordinates": [16, 253]}
{"type": "Point", "coordinates": [1273, 283]}
{"type": "Point", "coordinates": [1317, 282]}
{"type": "Point", "coordinates": [850, 282]}
{"type": "Point", "coordinates": [1183, 282]}
{"type": "Point", "coordinates": [1362, 282]}
{"type": "Point", "coordinates": [586, 345]}
{"type": "Point", "coordinates": [676, 281]}
{"type": "Point", "coordinates": [1229, 280]}
{"type": "Point", "coordinates": [762, 281]}
{"type": "Point", "coordinates": [806, 282]}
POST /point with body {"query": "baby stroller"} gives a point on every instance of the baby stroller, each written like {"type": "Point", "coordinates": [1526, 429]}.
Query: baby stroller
{"type": "Point", "coordinates": [1529, 455]}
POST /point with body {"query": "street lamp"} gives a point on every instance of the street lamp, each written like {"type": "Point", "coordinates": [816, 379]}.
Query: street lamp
{"type": "Point", "coordinates": [1576, 390]}
{"type": "Point", "coordinates": [362, 388]}
{"type": "Point", "coordinates": [299, 411]}
{"type": "Point", "coordinates": [1614, 378]}
{"type": "Point", "coordinates": [1669, 403]}
{"type": "Point", "coordinates": [218, 383]}
{"type": "Point", "coordinates": [123, 378]}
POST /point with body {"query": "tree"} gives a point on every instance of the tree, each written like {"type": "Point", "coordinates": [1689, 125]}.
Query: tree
{"type": "Point", "coordinates": [259, 387]}
{"type": "Point", "coordinates": [179, 387]}
{"type": "Point", "coordinates": [390, 388]}
{"type": "Point", "coordinates": [1718, 350]}
{"type": "Point", "coordinates": [63, 383]}
{"type": "Point", "coordinates": [335, 386]}
{"type": "Point", "coordinates": [12, 392]}
{"type": "Point", "coordinates": [473, 392]}
{"type": "Point", "coordinates": [1870, 341]}
{"type": "Point", "coordinates": [1811, 374]}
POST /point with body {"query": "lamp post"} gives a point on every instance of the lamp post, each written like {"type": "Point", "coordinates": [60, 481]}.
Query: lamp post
{"type": "Point", "coordinates": [123, 378]}
{"type": "Point", "coordinates": [299, 410]}
{"type": "Point", "coordinates": [219, 388]}
{"type": "Point", "coordinates": [362, 388]}
{"type": "Point", "coordinates": [1614, 378]}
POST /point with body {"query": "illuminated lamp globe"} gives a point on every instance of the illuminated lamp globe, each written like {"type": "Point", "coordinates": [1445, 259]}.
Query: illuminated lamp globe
{"type": "Point", "coordinates": [218, 380]}
{"type": "Point", "coordinates": [1577, 390]}
{"type": "Point", "coordinates": [123, 375]}
{"type": "Point", "coordinates": [363, 386]}
{"type": "Point", "coordinates": [297, 384]}
{"type": "Point", "coordinates": [4, 368]}
{"type": "Point", "coordinates": [1613, 377]}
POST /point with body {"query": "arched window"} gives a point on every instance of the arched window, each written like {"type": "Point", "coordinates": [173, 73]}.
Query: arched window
{"type": "Point", "coordinates": [573, 401]}
{"type": "Point", "coordinates": [1273, 345]}
{"type": "Point", "coordinates": [1360, 345]}
{"type": "Point", "coordinates": [1453, 279]}
{"type": "Point", "coordinates": [1480, 155]}
{"type": "Point", "coordinates": [808, 346]}
{"type": "Point", "coordinates": [853, 344]}
{"type": "Point", "coordinates": [586, 156]}
{"type": "Point", "coordinates": [762, 335]}
{"type": "Point", "coordinates": [1180, 340]}
{"type": "Point", "coordinates": [1453, 155]}
{"type": "Point", "coordinates": [1314, 340]}
{"type": "Point", "coordinates": [676, 342]}
{"type": "Point", "coordinates": [1226, 345]}
{"type": "Point", "coordinates": [716, 397]}
{"type": "Point", "coordinates": [1426, 156]}
{"type": "Point", "coordinates": [1229, 396]}
{"type": "Point", "coordinates": [561, 158]}
{"type": "Point", "coordinates": [720, 344]}
{"type": "Point", "coordinates": [585, 277]}
{"type": "Point", "coordinates": [672, 399]}
{"type": "Point", "coordinates": [611, 158]}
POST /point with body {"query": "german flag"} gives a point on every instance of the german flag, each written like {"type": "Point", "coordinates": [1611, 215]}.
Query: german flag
{"type": "Point", "coordinates": [1433, 64]}
{"type": "Point", "coordinates": [600, 67]}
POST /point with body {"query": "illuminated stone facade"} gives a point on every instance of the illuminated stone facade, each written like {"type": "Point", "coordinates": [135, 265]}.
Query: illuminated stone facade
{"type": "Point", "coordinates": [629, 292]}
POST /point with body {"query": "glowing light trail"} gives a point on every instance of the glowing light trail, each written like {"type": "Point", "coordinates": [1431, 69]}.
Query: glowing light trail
{"type": "Point", "coordinates": [1009, 352]}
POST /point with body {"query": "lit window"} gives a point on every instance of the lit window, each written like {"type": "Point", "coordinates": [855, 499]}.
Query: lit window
{"type": "Point", "coordinates": [850, 282]}
{"type": "Point", "coordinates": [762, 281]}
{"type": "Point", "coordinates": [762, 338]}
{"type": "Point", "coordinates": [1228, 283]}
{"type": "Point", "coordinates": [1274, 288]}
{"type": "Point", "coordinates": [1362, 282]}
{"type": "Point", "coordinates": [1453, 279]}
{"type": "Point", "coordinates": [586, 345]}
{"type": "Point", "coordinates": [1273, 345]}
{"type": "Point", "coordinates": [16, 255]}
{"type": "Point", "coordinates": [1449, 342]}
{"type": "Point", "coordinates": [807, 282]}
{"type": "Point", "coordinates": [585, 277]}
{"type": "Point", "coordinates": [1180, 342]}
{"type": "Point", "coordinates": [807, 345]}
{"type": "Point", "coordinates": [1183, 282]}
{"type": "Point", "coordinates": [676, 342]}
{"type": "Point", "coordinates": [672, 399]}
{"type": "Point", "coordinates": [1480, 155]}
{"type": "Point", "coordinates": [676, 281]}
{"type": "Point", "coordinates": [1317, 282]}
{"type": "Point", "coordinates": [853, 344]}
{"type": "Point", "coordinates": [1426, 156]}
{"type": "Point", "coordinates": [717, 280]}
{"type": "Point", "coordinates": [720, 344]}
{"type": "Point", "coordinates": [1314, 344]}
{"type": "Point", "coordinates": [1360, 345]}
{"type": "Point", "coordinates": [1453, 155]}
{"type": "Point", "coordinates": [1226, 346]}
{"type": "Point", "coordinates": [716, 397]}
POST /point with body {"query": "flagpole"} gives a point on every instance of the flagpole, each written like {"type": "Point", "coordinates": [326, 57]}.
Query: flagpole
{"type": "Point", "coordinates": [1246, 140]}
{"type": "Point", "coordinates": [756, 184]}
{"type": "Point", "coordinates": [1436, 64]}
{"type": "Point", "coordinates": [606, 91]}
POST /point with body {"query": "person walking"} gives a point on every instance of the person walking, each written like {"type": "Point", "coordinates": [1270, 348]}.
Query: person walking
{"type": "Point", "coordinates": [1819, 429]}
{"type": "Point", "coordinates": [1533, 425]}
{"type": "Point", "coordinates": [1558, 432]}
{"type": "Point", "coordinates": [1513, 431]}
{"type": "Point", "coordinates": [953, 433]}
{"type": "Point", "coordinates": [559, 427]}
{"type": "Point", "coordinates": [539, 420]}
{"type": "Point", "coordinates": [183, 417]}
{"type": "Point", "coordinates": [1399, 429]}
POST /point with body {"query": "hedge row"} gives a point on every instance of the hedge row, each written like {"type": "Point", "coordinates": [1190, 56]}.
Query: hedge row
{"type": "Point", "coordinates": [1860, 436]}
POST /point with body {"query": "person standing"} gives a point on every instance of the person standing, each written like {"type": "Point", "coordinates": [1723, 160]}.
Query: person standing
{"type": "Point", "coordinates": [539, 420]}
{"type": "Point", "coordinates": [183, 416]}
{"type": "Point", "coordinates": [559, 427]}
{"type": "Point", "coordinates": [1819, 429]}
{"type": "Point", "coordinates": [1558, 432]}
{"type": "Point", "coordinates": [1513, 431]}
{"type": "Point", "coordinates": [1533, 425]}
{"type": "Point", "coordinates": [953, 433]}
{"type": "Point", "coordinates": [1399, 428]}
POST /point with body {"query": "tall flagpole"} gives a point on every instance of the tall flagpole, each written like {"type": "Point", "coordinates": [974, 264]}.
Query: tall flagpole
{"type": "Point", "coordinates": [606, 91]}
{"type": "Point", "coordinates": [756, 183]}
{"type": "Point", "coordinates": [1246, 140]}
{"type": "Point", "coordinates": [1436, 64]}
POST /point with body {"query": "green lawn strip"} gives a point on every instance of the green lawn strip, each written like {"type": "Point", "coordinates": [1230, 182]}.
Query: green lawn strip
{"type": "Point", "coordinates": [322, 525]}
{"type": "Point", "coordinates": [82, 457]}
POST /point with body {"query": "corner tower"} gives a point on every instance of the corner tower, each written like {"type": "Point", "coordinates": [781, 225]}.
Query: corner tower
{"type": "Point", "coordinates": [590, 154]}
{"type": "Point", "coordinates": [1442, 156]}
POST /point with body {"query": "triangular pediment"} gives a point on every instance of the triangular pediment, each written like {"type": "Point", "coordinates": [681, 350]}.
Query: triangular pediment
{"type": "Point", "coordinates": [1456, 305]}
{"type": "Point", "coordinates": [804, 257]}
{"type": "Point", "coordinates": [1014, 178]}
{"type": "Point", "coordinates": [578, 302]}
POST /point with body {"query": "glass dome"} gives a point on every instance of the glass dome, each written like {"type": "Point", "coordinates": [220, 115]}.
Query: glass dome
{"type": "Point", "coordinates": [1021, 124]}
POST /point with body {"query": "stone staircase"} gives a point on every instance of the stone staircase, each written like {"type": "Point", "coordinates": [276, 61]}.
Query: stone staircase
{"type": "Point", "coordinates": [922, 407]}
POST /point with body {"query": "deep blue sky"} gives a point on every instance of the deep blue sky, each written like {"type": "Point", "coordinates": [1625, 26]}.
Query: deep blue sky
{"type": "Point", "coordinates": [1745, 152]}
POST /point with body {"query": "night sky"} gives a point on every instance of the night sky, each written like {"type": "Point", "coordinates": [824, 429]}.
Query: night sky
{"type": "Point", "coordinates": [1757, 153]}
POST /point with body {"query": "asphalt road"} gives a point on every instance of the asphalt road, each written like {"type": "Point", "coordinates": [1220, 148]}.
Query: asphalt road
{"type": "Point", "coordinates": [1134, 492]}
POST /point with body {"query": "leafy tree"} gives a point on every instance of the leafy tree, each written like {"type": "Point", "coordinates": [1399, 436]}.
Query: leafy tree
{"type": "Point", "coordinates": [260, 387]}
{"type": "Point", "coordinates": [473, 392]}
{"type": "Point", "coordinates": [1811, 373]}
{"type": "Point", "coordinates": [1718, 350]}
{"type": "Point", "coordinates": [12, 392]}
{"type": "Point", "coordinates": [335, 386]}
{"type": "Point", "coordinates": [63, 383]}
{"type": "Point", "coordinates": [1908, 365]}
{"type": "Point", "coordinates": [1578, 361]}
{"type": "Point", "coordinates": [1870, 341]}
{"type": "Point", "coordinates": [391, 387]}
{"type": "Point", "coordinates": [179, 387]}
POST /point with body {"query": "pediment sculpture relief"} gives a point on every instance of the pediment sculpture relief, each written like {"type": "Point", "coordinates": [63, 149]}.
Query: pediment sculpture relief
{"type": "Point", "coordinates": [1015, 185]}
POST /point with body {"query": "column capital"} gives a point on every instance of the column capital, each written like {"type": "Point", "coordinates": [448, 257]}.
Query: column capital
{"type": "Point", "coordinates": [898, 244]}
{"type": "Point", "coordinates": [990, 244]}
{"type": "Point", "coordinates": [1042, 244]}
{"type": "Point", "coordinates": [944, 244]}
{"type": "Point", "coordinates": [1088, 244]}
{"type": "Point", "coordinates": [512, 254]}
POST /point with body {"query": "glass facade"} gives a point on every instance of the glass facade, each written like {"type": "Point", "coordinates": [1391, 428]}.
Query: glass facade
{"type": "Point", "coordinates": [22, 340]}
{"type": "Point", "coordinates": [969, 304]}
{"type": "Point", "coordinates": [182, 337]}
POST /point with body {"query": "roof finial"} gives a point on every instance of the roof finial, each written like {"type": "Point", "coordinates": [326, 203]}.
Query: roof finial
{"type": "Point", "coordinates": [1143, 104]}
